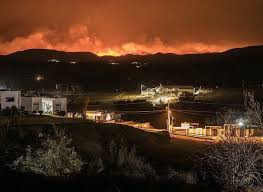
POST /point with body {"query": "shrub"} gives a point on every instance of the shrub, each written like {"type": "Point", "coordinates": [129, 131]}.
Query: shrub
{"type": "Point", "coordinates": [236, 162]}
{"type": "Point", "coordinates": [55, 158]}
{"type": "Point", "coordinates": [94, 167]}
{"type": "Point", "coordinates": [233, 163]}
{"type": "Point", "coordinates": [128, 163]}
{"type": "Point", "coordinates": [188, 177]}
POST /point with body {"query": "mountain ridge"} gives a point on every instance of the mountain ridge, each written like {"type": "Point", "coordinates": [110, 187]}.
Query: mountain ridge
{"type": "Point", "coordinates": [64, 56]}
{"type": "Point", "coordinates": [229, 68]}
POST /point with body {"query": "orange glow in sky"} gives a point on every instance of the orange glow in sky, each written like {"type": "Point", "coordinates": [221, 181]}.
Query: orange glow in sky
{"type": "Point", "coordinates": [119, 27]}
{"type": "Point", "coordinates": [109, 52]}
{"type": "Point", "coordinates": [78, 39]}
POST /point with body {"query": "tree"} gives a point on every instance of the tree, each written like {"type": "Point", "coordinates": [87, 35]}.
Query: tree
{"type": "Point", "coordinates": [254, 110]}
{"type": "Point", "coordinates": [79, 105]}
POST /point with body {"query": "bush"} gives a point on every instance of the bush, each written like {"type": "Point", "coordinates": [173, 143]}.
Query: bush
{"type": "Point", "coordinates": [55, 158]}
{"type": "Point", "coordinates": [188, 177]}
{"type": "Point", "coordinates": [126, 162]}
{"type": "Point", "coordinates": [233, 163]}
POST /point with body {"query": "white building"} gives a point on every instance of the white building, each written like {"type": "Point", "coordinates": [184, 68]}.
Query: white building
{"type": "Point", "coordinates": [9, 99]}
{"type": "Point", "coordinates": [60, 104]}
{"type": "Point", "coordinates": [45, 105]}
{"type": "Point", "coordinates": [102, 116]}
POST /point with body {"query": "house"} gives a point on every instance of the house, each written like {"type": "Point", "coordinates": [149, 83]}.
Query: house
{"type": "Point", "coordinates": [10, 99]}
{"type": "Point", "coordinates": [102, 116]}
{"type": "Point", "coordinates": [215, 131]}
{"type": "Point", "coordinates": [187, 129]}
{"type": "Point", "coordinates": [44, 105]}
{"type": "Point", "coordinates": [60, 104]}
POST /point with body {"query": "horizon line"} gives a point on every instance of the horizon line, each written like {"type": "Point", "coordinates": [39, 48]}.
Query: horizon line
{"type": "Point", "coordinates": [139, 54]}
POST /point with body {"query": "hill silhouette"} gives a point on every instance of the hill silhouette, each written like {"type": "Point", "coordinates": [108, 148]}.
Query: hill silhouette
{"type": "Point", "coordinates": [229, 68]}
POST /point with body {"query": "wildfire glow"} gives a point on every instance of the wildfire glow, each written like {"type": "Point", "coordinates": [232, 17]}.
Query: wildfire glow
{"type": "Point", "coordinates": [109, 52]}
{"type": "Point", "coordinates": [78, 38]}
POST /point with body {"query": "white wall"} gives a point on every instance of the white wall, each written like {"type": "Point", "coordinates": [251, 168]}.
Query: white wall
{"type": "Point", "coordinates": [36, 104]}
{"type": "Point", "coordinates": [47, 105]}
{"type": "Point", "coordinates": [31, 104]}
{"type": "Point", "coordinates": [10, 98]}
{"type": "Point", "coordinates": [39, 104]}
{"type": "Point", "coordinates": [60, 104]}
{"type": "Point", "coordinates": [27, 103]}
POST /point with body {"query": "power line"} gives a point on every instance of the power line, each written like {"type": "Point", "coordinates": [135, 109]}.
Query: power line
{"type": "Point", "coordinates": [120, 104]}
{"type": "Point", "coordinates": [141, 112]}
{"type": "Point", "coordinates": [183, 110]}
{"type": "Point", "coordinates": [146, 102]}
{"type": "Point", "coordinates": [164, 110]}
{"type": "Point", "coordinates": [194, 112]}
{"type": "Point", "coordinates": [199, 114]}
{"type": "Point", "coordinates": [209, 103]}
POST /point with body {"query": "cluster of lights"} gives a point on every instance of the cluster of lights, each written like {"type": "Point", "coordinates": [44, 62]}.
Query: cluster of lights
{"type": "Point", "coordinates": [53, 60]}
{"type": "Point", "coordinates": [161, 100]}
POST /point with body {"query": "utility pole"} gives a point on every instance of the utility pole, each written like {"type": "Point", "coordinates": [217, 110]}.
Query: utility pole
{"type": "Point", "coordinates": [57, 89]}
{"type": "Point", "coordinates": [168, 116]}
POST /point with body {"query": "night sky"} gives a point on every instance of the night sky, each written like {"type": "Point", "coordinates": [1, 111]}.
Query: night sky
{"type": "Point", "coordinates": [119, 27]}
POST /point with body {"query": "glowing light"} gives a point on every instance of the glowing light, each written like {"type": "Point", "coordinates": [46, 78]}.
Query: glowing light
{"type": "Point", "coordinates": [39, 77]}
{"type": "Point", "coordinates": [108, 117]}
{"type": "Point", "coordinates": [240, 122]}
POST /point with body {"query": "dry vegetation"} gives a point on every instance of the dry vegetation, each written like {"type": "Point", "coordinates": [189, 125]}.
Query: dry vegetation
{"type": "Point", "coordinates": [56, 157]}
{"type": "Point", "coordinates": [235, 162]}
{"type": "Point", "coordinates": [109, 150]}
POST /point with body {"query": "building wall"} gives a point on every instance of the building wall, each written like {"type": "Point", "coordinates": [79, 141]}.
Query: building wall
{"type": "Point", "coordinates": [60, 104]}
{"type": "Point", "coordinates": [36, 104]}
{"type": "Point", "coordinates": [27, 103]}
{"type": "Point", "coordinates": [9, 99]}
{"type": "Point", "coordinates": [31, 104]}
{"type": "Point", "coordinates": [48, 105]}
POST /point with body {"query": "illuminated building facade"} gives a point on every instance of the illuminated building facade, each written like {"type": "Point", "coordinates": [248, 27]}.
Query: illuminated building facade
{"type": "Point", "coordinates": [44, 105]}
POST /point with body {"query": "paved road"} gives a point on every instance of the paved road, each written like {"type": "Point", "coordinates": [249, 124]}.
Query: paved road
{"type": "Point", "coordinates": [202, 139]}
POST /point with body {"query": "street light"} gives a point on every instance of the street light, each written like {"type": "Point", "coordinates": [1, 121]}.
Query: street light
{"type": "Point", "coordinates": [240, 122]}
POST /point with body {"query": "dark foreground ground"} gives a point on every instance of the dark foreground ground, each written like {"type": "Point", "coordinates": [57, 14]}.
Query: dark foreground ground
{"type": "Point", "coordinates": [90, 138]}
{"type": "Point", "coordinates": [23, 183]}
